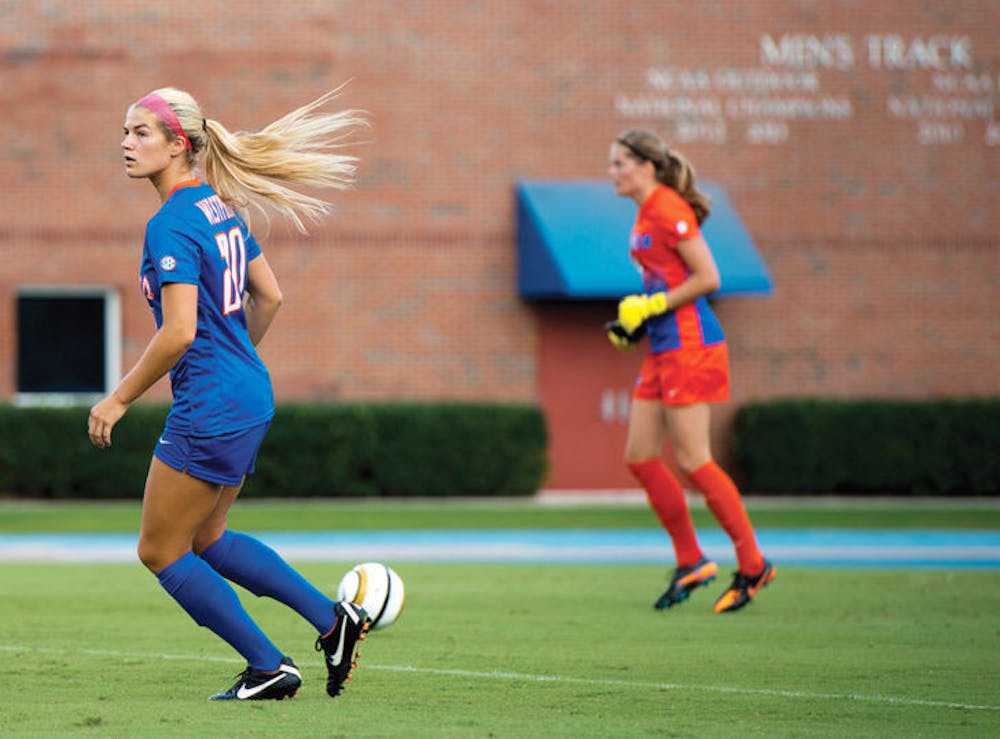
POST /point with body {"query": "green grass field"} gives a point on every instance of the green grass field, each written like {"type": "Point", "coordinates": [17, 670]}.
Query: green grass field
{"type": "Point", "coordinates": [515, 650]}
{"type": "Point", "coordinates": [270, 515]}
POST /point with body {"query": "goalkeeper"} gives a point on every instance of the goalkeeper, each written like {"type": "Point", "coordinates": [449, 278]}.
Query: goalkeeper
{"type": "Point", "coordinates": [687, 367]}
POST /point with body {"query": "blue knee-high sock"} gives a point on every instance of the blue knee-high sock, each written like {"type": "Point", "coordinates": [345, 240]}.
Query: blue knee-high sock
{"type": "Point", "coordinates": [261, 570]}
{"type": "Point", "coordinates": [213, 603]}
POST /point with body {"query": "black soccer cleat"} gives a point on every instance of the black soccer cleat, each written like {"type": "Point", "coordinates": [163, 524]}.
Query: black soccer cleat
{"type": "Point", "coordinates": [351, 624]}
{"type": "Point", "coordinates": [685, 580]}
{"type": "Point", "coordinates": [743, 589]}
{"type": "Point", "coordinates": [257, 685]}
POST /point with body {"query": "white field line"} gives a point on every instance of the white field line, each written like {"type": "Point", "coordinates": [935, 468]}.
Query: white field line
{"type": "Point", "coordinates": [496, 675]}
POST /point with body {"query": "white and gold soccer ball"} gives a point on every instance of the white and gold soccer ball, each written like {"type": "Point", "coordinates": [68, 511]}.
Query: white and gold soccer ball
{"type": "Point", "coordinates": [376, 588]}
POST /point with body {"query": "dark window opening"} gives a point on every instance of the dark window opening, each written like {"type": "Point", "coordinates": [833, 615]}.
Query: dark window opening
{"type": "Point", "coordinates": [61, 344]}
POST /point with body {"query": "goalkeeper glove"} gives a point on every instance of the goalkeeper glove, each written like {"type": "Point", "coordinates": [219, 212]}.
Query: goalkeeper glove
{"type": "Point", "coordinates": [622, 339]}
{"type": "Point", "coordinates": [634, 310]}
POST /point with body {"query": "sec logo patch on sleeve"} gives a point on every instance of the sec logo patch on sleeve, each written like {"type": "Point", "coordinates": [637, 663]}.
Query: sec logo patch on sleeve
{"type": "Point", "coordinates": [168, 263]}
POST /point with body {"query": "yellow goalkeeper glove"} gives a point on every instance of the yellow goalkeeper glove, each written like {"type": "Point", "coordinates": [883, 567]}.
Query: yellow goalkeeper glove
{"type": "Point", "coordinates": [621, 339]}
{"type": "Point", "coordinates": [634, 310]}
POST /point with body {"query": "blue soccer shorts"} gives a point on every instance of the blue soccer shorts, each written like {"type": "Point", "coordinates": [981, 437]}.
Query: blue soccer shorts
{"type": "Point", "coordinates": [224, 460]}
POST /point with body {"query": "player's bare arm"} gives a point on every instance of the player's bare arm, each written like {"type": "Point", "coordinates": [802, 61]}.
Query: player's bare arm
{"type": "Point", "coordinates": [263, 298]}
{"type": "Point", "coordinates": [704, 274]}
{"type": "Point", "coordinates": [180, 323]}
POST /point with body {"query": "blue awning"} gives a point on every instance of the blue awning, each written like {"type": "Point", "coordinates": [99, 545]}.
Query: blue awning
{"type": "Point", "coordinates": [573, 242]}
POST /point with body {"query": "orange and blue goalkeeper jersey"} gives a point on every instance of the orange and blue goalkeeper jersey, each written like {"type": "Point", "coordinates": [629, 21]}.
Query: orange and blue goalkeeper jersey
{"type": "Point", "coordinates": [664, 220]}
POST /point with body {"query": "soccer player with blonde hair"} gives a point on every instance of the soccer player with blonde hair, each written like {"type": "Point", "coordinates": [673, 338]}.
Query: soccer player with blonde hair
{"type": "Point", "coordinates": [213, 297]}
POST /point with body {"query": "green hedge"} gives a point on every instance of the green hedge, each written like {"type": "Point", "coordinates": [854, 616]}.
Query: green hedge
{"type": "Point", "coordinates": [342, 450]}
{"type": "Point", "coordinates": [934, 447]}
{"type": "Point", "coordinates": [402, 449]}
{"type": "Point", "coordinates": [46, 453]}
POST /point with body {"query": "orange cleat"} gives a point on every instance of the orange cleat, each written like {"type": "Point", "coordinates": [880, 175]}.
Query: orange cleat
{"type": "Point", "coordinates": [685, 580]}
{"type": "Point", "coordinates": [744, 588]}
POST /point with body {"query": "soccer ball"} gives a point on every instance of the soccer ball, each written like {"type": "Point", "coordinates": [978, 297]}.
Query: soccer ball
{"type": "Point", "coordinates": [376, 588]}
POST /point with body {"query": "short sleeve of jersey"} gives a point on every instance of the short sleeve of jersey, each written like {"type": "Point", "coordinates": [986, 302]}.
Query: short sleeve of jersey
{"type": "Point", "coordinates": [253, 250]}
{"type": "Point", "coordinates": [175, 256]}
{"type": "Point", "coordinates": [677, 218]}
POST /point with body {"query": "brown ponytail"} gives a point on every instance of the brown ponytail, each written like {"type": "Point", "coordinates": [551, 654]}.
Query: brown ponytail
{"type": "Point", "coordinates": [672, 168]}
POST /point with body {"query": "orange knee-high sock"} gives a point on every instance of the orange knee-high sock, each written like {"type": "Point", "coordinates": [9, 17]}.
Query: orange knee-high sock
{"type": "Point", "coordinates": [666, 496]}
{"type": "Point", "coordinates": [723, 499]}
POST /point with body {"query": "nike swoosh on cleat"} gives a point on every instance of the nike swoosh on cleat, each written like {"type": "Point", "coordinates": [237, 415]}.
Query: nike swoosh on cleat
{"type": "Point", "coordinates": [339, 654]}
{"type": "Point", "coordinates": [243, 693]}
{"type": "Point", "coordinates": [702, 574]}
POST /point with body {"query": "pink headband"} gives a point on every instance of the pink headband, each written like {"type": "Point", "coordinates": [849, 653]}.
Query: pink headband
{"type": "Point", "coordinates": [165, 113]}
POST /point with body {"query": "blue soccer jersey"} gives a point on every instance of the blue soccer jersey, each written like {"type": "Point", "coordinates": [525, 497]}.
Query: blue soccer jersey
{"type": "Point", "coordinates": [220, 385]}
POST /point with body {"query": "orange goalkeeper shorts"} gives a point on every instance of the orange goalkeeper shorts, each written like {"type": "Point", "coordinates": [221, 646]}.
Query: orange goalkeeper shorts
{"type": "Point", "coordinates": [685, 376]}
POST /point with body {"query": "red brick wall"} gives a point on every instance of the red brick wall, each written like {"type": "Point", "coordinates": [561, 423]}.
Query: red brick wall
{"type": "Point", "coordinates": [877, 218]}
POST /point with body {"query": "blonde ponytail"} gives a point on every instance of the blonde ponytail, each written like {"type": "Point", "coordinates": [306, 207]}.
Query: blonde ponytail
{"type": "Point", "coordinates": [249, 170]}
